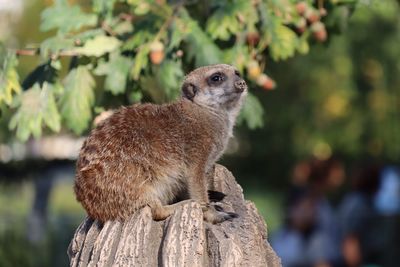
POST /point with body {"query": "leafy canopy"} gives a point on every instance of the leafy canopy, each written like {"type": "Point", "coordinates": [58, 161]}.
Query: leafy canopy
{"type": "Point", "coordinates": [124, 51]}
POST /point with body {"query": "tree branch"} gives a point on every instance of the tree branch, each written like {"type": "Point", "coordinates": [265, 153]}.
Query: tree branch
{"type": "Point", "coordinates": [36, 51]}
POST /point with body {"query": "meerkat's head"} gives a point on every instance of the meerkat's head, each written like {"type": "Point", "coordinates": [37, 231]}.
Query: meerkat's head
{"type": "Point", "coordinates": [216, 86]}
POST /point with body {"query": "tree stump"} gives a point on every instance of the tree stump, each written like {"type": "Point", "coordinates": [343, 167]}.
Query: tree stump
{"type": "Point", "coordinates": [183, 239]}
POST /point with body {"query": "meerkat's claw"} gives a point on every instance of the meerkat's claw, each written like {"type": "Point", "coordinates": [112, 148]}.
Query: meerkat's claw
{"type": "Point", "coordinates": [215, 196]}
{"type": "Point", "coordinates": [215, 214]}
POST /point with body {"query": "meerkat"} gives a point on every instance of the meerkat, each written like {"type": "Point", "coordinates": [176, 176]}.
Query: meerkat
{"type": "Point", "coordinates": [151, 155]}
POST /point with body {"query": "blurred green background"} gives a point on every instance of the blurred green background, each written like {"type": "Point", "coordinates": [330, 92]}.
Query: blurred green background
{"type": "Point", "coordinates": [342, 99]}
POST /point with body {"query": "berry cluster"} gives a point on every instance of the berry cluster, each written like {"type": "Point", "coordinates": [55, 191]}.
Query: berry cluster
{"type": "Point", "coordinates": [311, 17]}
{"type": "Point", "coordinates": [263, 80]}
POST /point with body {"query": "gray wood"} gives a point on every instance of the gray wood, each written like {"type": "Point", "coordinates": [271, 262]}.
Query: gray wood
{"type": "Point", "coordinates": [184, 239]}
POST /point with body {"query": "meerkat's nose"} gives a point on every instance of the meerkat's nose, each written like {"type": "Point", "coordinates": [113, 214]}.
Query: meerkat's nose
{"type": "Point", "coordinates": [240, 85]}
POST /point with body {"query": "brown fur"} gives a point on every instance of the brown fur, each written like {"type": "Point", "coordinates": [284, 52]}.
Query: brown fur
{"type": "Point", "coordinates": [153, 154]}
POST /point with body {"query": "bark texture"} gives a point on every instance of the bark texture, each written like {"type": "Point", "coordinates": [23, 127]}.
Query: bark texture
{"type": "Point", "coordinates": [184, 239]}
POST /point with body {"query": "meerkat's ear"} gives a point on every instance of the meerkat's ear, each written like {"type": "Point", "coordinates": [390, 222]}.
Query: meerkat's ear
{"type": "Point", "coordinates": [189, 90]}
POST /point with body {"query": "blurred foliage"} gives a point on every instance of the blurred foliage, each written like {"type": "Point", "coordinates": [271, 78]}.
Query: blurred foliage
{"type": "Point", "coordinates": [65, 213]}
{"type": "Point", "coordinates": [125, 51]}
{"type": "Point", "coordinates": [342, 99]}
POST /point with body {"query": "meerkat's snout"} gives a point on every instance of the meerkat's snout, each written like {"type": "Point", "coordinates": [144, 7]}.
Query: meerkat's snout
{"type": "Point", "coordinates": [240, 85]}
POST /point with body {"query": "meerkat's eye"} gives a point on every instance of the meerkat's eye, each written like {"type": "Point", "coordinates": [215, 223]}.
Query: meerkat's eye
{"type": "Point", "coordinates": [216, 78]}
{"type": "Point", "coordinates": [237, 73]}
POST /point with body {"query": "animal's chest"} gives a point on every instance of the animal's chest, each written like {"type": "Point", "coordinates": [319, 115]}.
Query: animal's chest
{"type": "Point", "coordinates": [219, 145]}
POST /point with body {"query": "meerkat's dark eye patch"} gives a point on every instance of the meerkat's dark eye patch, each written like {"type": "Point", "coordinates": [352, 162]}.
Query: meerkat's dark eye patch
{"type": "Point", "coordinates": [216, 78]}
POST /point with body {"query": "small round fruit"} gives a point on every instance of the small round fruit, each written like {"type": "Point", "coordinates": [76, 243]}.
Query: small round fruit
{"type": "Point", "coordinates": [301, 25]}
{"type": "Point", "coordinates": [179, 53]}
{"type": "Point", "coordinates": [266, 82]}
{"type": "Point", "coordinates": [301, 7]}
{"type": "Point", "coordinates": [156, 57]}
{"type": "Point", "coordinates": [319, 31]}
{"type": "Point", "coordinates": [156, 52]}
{"type": "Point", "coordinates": [323, 12]}
{"type": "Point", "coordinates": [253, 69]}
{"type": "Point", "coordinates": [311, 15]}
{"type": "Point", "coordinates": [253, 38]}
{"type": "Point", "coordinates": [321, 35]}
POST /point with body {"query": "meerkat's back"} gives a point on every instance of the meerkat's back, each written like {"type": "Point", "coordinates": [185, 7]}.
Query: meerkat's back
{"type": "Point", "coordinates": [126, 157]}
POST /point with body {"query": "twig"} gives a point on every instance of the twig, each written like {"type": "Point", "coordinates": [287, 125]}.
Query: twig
{"type": "Point", "coordinates": [168, 21]}
{"type": "Point", "coordinates": [36, 51]}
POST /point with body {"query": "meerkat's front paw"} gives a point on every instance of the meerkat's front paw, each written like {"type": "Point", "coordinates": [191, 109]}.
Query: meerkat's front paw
{"type": "Point", "coordinates": [215, 214]}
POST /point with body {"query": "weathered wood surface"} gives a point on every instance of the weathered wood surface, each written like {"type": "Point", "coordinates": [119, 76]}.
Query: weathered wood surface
{"type": "Point", "coordinates": [184, 239]}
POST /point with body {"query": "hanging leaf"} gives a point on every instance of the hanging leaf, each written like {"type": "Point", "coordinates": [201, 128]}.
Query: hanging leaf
{"type": "Point", "coordinates": [237, 56]}
{"type": "Point", "coordinates": [36, 105]}
{"type": "Point", "coordinates": [302, 45]}
{"type": "Point", "coordinates": [283, 42]}
{"type": "Point", "coordinates": [78, 99]}
{"type": "Point", "coordinates": [9, 79]}
{"type": "Point", "coordinates": [252, 112]}
{"type": "Point", "coordinates": [224, 22]}
{"type": "Point", "coordinates": [170, 76]}
{"type": "Point", "coordinates": [51, 116]}
{"type": "Point", "coordinates": [65, 18]}
{"type": "Point", "coordinates": [116, 71]}
{"type": "Point", "coordinates": [202, 48]}
{"type": "Point", "coordinates": [123, 27]}
{"type": "Point", "coordinates": [140, 62]}
{"type": "Point", "coordinates": [98, 46]}
{"type": "Point", "coordinates": [82, 37]}
{"type": "Point", "coordinates": [104, 7]}
{"type": "Point", "coordinates": [178, 32]}
{"type": "Point", "coordinates": [140, 37]}
{"type": "Point", "coordinates": [55, 44]}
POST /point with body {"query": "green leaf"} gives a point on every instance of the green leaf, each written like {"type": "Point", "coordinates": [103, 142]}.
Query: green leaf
{"type": "Point", "coordinates": [78, 99]}
{"type": "Point", "coordinates": [177, 34]}
{"type": "Point", "coordinates": [135, 96]}
{"type": "Point", "coordinates": [123, 27]}
{"type": "Point", "coordinates": [87, 35]}
{"type": "Point", "coordinates": [98, 46]}
{"type": "Point", "coordinates": [140, 37]}
{"type": "Point", "coordinates": [36, 105]}
{"type": "Point", "coordinates": [117, 70]}
{"type": "Point", "coordinates": [237, 56]}
{"type": "Point", "coordinates": [55, 44]}
{"type": "Point", "coordinates": [252, 112]}
{"type": "Point", "coordinates": [142, 8]}
{"type": "Point", "coordinates": [51, 116]}
{"type": "Point", "coordinates": [225, 22]}
{"type": "Point", "coordinates": [152, 88]}
{"type": "Point", "coordinates": [222, 24]}
{"type": "Point", "coordinates": [65, 18]}
{"type": "Point", "coordinates": [170, 75]}
{"type": "Point", "coordinates": [141, 61]}
{"type": "Point", "coordinates": [103, 7]}
{"type": "Point", "coordinates": [9, 79]}
{"type": "Point", "coordinates": [283, 42]}
{"type": "Point", "coordinates": [201, 47]}
{"type": "Point", "coordinates": [302, 46]}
